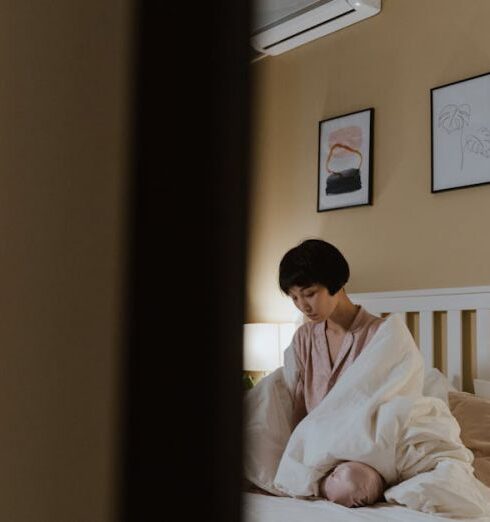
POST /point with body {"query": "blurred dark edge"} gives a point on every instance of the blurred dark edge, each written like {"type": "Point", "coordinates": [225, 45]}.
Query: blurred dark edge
{"type": "Point", "coordinates": [182, 409]}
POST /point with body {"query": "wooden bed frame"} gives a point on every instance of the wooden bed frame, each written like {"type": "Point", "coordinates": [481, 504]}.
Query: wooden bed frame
{"type": "Point", "coordinates": [450, 325]}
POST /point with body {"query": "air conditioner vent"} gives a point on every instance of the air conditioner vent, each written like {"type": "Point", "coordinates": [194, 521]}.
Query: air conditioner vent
{"type": "Point", "coordinates": [308, 29]}
{"type": "Point", "coordinates": [281, 25]}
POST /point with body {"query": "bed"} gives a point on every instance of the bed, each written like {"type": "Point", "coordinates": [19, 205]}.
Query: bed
{"type": "Point", "coordinates": [262, 508]}
{"type": "Point", "coordinates": [452, 330]}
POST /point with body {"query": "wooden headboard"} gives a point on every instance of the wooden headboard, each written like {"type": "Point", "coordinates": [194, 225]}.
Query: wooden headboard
{"type": "Point", "coordinates": [450, 325]}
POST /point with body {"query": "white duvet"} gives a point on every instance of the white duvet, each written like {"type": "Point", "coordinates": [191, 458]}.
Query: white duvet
{"type": "Point", "coordinates": [375, 414]}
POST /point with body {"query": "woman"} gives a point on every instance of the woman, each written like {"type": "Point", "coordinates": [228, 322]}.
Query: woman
{"type": "Point", "coordinates": [313, 274]}
{"type": "Point", "coordinates": [346, 418]}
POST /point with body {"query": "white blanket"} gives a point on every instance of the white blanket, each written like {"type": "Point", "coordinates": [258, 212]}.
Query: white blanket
{"type": "Point", "coordinates": [375, 414]}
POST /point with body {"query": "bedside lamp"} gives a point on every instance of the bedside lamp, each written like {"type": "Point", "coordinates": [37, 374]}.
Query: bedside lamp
{"type": "Point", "coordinates": [261, 347]}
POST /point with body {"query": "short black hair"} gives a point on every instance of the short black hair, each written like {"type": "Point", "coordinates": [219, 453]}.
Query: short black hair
{"type": "Point", "coordinates": [313, 261]}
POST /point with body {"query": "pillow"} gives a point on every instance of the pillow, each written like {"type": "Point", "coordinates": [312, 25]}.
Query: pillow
{"type": "Point", "coordinates": [482, 388]}
{"type": "Point", "coordinates": [267, 427]}
{"type": "Point", "coordinates": [436, 384]}
{"type": "Point", "coordinates": [473, 416]}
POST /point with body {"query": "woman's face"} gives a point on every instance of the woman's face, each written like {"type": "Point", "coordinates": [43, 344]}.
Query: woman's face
{"type": "Point", "coordinates": [314, 301]}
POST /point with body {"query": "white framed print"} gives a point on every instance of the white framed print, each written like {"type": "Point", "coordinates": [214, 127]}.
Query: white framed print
{"type": "Point", "coordinates": [460, 134]}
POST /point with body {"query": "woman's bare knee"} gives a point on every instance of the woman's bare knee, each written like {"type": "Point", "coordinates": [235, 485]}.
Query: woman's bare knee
{"type": "Point", "coordinates": [352, 484]}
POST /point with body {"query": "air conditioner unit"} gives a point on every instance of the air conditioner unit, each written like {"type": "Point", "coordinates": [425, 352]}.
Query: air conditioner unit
{"type": "Point", "coordinates": [281, 25]}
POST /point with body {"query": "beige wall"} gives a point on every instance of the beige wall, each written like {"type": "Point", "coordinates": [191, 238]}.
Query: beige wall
{"type": "Point", "coordinates": [63, 132]}
{"type": "Point", "coordinates": [409, 238]}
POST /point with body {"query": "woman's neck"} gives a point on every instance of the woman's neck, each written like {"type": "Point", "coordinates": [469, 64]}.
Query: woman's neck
{"type": "Point", "coordinates": [343, 315]}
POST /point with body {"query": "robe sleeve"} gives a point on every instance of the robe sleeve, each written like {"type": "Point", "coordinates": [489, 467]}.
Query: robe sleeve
{"type": "Point", "coordinates": [294, 377]}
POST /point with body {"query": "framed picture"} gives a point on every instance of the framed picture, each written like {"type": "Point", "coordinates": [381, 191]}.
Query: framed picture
{"type": "Point", "coordinates": [345, 159]}
{"type": "Point", "coordinates": [460, 134]}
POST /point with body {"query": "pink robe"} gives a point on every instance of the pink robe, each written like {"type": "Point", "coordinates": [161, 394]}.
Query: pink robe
{"type": "Point", "coordinates": [316, 377]}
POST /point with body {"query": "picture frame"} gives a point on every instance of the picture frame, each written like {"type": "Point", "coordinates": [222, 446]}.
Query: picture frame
{"type": "Point", "coordinates": [345, 161]}
{"type": "Point", "coordinates": [460, 134]}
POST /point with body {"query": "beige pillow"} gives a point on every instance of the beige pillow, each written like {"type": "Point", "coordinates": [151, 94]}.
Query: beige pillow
{"type": "Point", "coordinates": [473, 416]}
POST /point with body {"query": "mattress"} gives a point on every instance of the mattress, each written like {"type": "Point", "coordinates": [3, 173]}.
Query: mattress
{"type": "Point", "coordinates": [266, 508]}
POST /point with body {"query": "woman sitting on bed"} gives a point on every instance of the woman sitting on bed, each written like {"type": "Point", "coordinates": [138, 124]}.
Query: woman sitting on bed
{"type": "Point", "coordinates": [313, 274]}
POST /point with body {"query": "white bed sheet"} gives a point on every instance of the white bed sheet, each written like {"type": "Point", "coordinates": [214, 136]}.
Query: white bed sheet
{"type": "Point", "coordinates": [266, 508]}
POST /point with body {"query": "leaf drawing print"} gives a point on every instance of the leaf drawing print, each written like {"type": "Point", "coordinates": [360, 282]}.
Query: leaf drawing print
{"type": "Point", "coordinates": [454, 118]}
{"type": "Point", "coordinates": [460, 133]}
{"type": "Point", "coordinates": [479, 143]}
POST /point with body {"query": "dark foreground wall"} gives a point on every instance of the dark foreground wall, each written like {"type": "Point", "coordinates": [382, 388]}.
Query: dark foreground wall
{"type": "Point", "coordinates": [182, 406]}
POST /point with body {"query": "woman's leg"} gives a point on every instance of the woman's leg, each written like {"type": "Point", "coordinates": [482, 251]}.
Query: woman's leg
{"type": "Point", "coordinates": [352, 484]}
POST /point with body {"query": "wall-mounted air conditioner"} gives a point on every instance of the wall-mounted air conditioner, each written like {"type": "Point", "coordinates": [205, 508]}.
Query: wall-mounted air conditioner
{"type": "Point", "coordinates": [280, 25]}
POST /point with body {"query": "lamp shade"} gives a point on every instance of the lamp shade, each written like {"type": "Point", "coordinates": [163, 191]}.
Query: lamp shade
{"type": "Point", "coordinates": [261, 350]}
